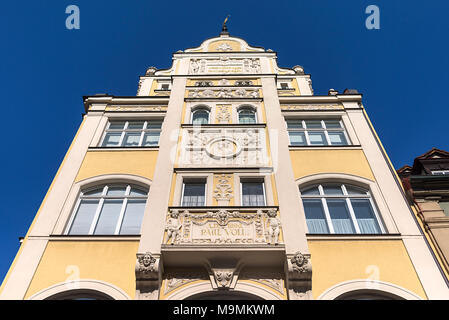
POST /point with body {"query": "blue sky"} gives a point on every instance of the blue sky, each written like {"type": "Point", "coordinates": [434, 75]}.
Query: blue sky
{"type": "Point", "coordinates": [401, 69]}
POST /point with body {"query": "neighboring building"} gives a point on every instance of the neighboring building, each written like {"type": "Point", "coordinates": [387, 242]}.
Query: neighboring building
{"type": "Point", "coordinates": [427, 189]}
{"type": "Point", "coordinates": [225, 177]}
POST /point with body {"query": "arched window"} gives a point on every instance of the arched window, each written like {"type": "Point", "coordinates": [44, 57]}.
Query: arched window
{"type": "Point", "coordinates": [111, 209]}
{"type": "Point", "coordinates": [340, 209]}
{"type": "Point", "coordinates": [247, 115]}
{"type": "Point", "coordinates": [200, 116]}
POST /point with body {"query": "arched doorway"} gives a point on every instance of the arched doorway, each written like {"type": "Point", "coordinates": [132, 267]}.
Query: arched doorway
{"type": "Point", "coordinates": [81, 294]}
{"type": "Point", "coordinates": [223, 295]}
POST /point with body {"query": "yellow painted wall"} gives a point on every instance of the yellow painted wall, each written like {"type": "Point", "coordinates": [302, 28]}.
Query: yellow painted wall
{"type": "Point", "coordinates": [138, 162]}
{"type": "Point", "coordinates": [109, 261]}
{"type": "Point", "coordinates": [338, 261]}
{"type": "Point", "coordinates": [308, 162]}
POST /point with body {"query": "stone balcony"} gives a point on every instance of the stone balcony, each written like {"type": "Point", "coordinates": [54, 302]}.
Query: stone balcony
{"type": "Point", "coordinates": [198, 236]}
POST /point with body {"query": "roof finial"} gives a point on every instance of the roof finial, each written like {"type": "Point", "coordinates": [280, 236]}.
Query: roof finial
{"type": "Point", "coordinates": [224, 29]}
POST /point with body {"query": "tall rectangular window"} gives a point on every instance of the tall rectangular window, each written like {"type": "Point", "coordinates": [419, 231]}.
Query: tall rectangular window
{"type": "Point", "coordinates": [253, 194]}
{"type": "Point", "coordinates": [132, 134]}
{"type": "Point", "coordinates": [194, 194]}
{"type": "Point", "coordinates": [328, 132]}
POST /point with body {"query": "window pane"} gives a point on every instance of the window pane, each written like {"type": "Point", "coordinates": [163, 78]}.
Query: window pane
{"type": "Point", "coordinates": [297, 138]}
{"type": "Point", "coordinates": [355, 191]}
{"type": "Point", "coordinates": [138, 192]}
{"type": "Point", "coordinates": [117, 125]}
{"type": "Point", "coordinates": [108, 217]}
{"type": "Point", "coordinates": [330, 124]}
{"type": "Point", "coordinates": [247, 116]}
{"type": "Point", "coordinates": [294, 124]}
{"type": "Point", "coordinates": [84, 217]}
{"type": "Point", "coordinates": [332, 190]}
{"type": "Point", "coordinates": [116, 191]}
{"type": "Point", "coordinates": [311, 124]}
{"type": "Point", "coordinates": [365, 216]}
{"type": "Point", "coordinates": [151, 139]}
{"type": "Point", "coordinates": [316, 221]}
{"type": "Point", "coordinates": [112, 139]}
{"type": "Point", "coordinates": [311, 191]}
{"type": "Point", "coordinates": [252, 194]}
{"type": "Point", "coordinates": [193, 195]}
{"type": "Point", "coordinates": [317, 138]}
{"type": "Point", "coordinates": [200, 117]}
{"type": "Point", "coordinates": [337, 138]}
{"type": "Point", "coordinates": [133, 217]}
{"type": "Point", "coordinates": [136, 124]}
{"type": "Point", "coordinates": [340, 216]}
{"type": "Point", "coordinates": [154, 124]}
{"type": "Point", "coordinates": [93, 193]}
{"type": "Point", "coordinates": [131, 139]}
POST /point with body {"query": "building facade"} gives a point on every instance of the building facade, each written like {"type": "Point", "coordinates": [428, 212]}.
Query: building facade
{"type": "Point", "coordinates": [225, 177]}
{"type": "Point", "coordinates": [426, 185]}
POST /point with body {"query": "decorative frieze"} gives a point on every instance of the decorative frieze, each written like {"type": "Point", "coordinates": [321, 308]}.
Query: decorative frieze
{"type": "Point", "coordinates": [224, 93]}
{"type": "Point", "coordinates": [135, 108]}
{"type": "Point", "coordinates": [224, 64]}
{"type": "Point", "coordinates": [223, 146]}
{"type": "Point", "coordinates": [223, 115]}
{"type": "Point", "coordinates": [311, 107]}
{"type": "Point", "coordinates": [222, 226]}
{"type": "Point", "coordinates": [223, 189]}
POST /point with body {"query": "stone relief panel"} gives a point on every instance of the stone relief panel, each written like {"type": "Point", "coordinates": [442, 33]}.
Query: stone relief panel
{"type": "Point", "coordinates": [311, 107]}
{"type": "Point", "coordinates": [222, 227]}
{"type": "Point", "coordinates": [224, 65]}
{"type": "Point", "coordinates": [224, 93]}
{"type": "Point", "coordinates": [223, 147]}
{"type": "Point", "coordinates": [273, 280]}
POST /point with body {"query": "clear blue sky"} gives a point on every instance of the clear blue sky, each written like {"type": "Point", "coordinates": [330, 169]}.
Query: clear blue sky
{"type": "Point", "coordinates": [401, 69]}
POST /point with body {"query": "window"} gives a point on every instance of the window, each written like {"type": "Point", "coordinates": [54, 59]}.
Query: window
{"type": "Point", "coordinates": [247, 115]}
{"type": "Point", "coordinates": [132, 134]}
{"type": "Point", "coordinates": [194, 194]}
{"type": "Point", "coordinates": [284, 85]}
{"type": "Point", "coordinates": [165, 86]}
{"type": "Point", "coordinates": [109, 210]}
{"type": "Point", "coordinates": [200, 116]}
{"type": "Point", "coordinates": [340, 209]}
{"type": "Point", "coordinates": [316, 132]}
{"type": "Point", "coordinates": [253, 194]}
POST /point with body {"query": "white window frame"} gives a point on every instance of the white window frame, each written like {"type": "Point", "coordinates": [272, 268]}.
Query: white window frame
{"type": "Point", "coordinates": [183, 187]}
{"type": "Point", "coordinates": [347, 197]}
{"type": "Point", "coordinates": [200, 108]}
{"type": "Point", "coordinates": [102, 197]}
{"type": "Point", "coordinates": [323, 129]}
{"type": "Point", "coordinates": [254, 180]}
{"type": "Point", "coordinates": [247, 107]}
{"type": "Point", "coordinates": [126, 130]}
